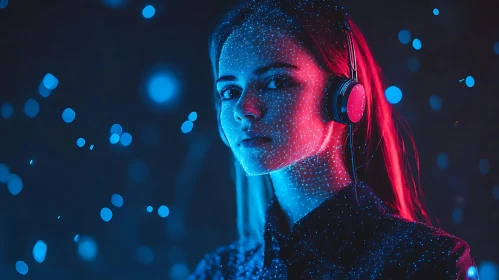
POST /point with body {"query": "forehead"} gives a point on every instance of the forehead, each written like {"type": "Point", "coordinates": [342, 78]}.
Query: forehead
{"type": "Point", "coordinates": [251, 47]}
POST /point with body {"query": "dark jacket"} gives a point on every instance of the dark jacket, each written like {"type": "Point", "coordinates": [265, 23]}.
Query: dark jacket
{"type": "Point", "coordinates": [344, 238]}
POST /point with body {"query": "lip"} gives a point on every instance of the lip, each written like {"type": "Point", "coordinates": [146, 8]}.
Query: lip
{"type": "Point", "coordinates": [257, 142]}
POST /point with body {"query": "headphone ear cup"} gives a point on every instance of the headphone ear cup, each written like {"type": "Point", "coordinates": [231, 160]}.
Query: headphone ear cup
{"type": "Point", "coordinates": [348, 101]}
{"type": "Point", "coordinates": [220, 129]}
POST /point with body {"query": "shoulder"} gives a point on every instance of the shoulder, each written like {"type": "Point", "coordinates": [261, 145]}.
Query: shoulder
{"type": "Point", "coordinates": [223, 262]}
{"type": "Point", "coordinates": [426, 251]}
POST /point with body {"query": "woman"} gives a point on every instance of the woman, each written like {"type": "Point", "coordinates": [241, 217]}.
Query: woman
{"type": "Point", "coordinates": [303, 211]}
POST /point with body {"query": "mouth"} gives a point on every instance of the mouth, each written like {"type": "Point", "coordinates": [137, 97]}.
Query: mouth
{"type": "Point", "coordinates": [255, 142]}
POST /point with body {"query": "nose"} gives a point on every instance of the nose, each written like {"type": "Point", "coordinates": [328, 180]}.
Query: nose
{"type": "Point", "coordinates": [248, 107]}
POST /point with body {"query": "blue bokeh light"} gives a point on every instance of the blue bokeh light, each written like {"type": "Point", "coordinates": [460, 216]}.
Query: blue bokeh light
{"type": "Point", "coordinates": [68, 115]}
{"type": "Point", "coordinates": [488, 270]}
{"type": "Point", "coordinates": [472, 272]}
{"type": "Point", "coordinates": [148, 11]}
{"type": "Point", "coordinates": [50, 81]}
{"type": "Point", "coordinates": [393, 94]}
{"type": "Point", "coordinates": [416, 44]}
{"type": "Point", "coordinates": [149, 209]}
{"type": "Point", "coordinates": [193, 116]}
{"type": "Point", "coordinates": [3, 4]}
{"type": "Point", "coordinates": [458, 215]}
{"type": "Point", "coordinates": [80, 142]}
{"type": "Point", "coordinates": [187, 126]}
{"type": "Point", "coordinates": [442, 161]}
{"type": "Point", "coordinates": [116, 129]}
{"type": "Point", "coordinates": [435, 102]}
{"type": "Point", "coordinates": [4, 173]}
{"type": "Point", "coordinates": [6, 111]}
{"type": "Point", "coordinates": [436, 11]}
{"type": "Point", "coordinates": [113, 3]}
{"type": "Point", "coordinates": [179, 271]}
{"type": "Point", "coordinates": [106, 214]}
{"type": "Point", "coordinates": [404, 37]}
{"type": "Point", "coordinates": [144, 254]}
{"type": "Point", "coordinates": [163, 211]}
{"type": "Point", "coordinates": [14, 184]}
{"type": "Point", "coordinates": [76, 238]}
{"type": "Point", "coordinates": [43, 91]}
{"type": "Point", "coordinates": [40, 251]}
{"type": "Point", "coordinates": [484, 166]}
{"type": "Point", "coordinates": [413, 64]}
{"type": "Point", "coordinates": [126, 139]}
{"type": "Point", "coordinates": [31, 108]}
{"type": "Point", "coordinates": [161, 88]}
{"type": "Point", "coordinates": [496, 47]}
{"type": "Point", "coordinates": [91, 147]}
{"type": "Point", "coordinates": [21, 267]}
{"type": "Point", "coordinates": [87, 248]}
{"type": "Point", "coordinates": [470, 81]}
{"type": "Point", "coordinates": [114, 138]}
{"type": "Point", "coordinates": [117, 200]}
{"type": "Point", "coordinates": [495, 192]}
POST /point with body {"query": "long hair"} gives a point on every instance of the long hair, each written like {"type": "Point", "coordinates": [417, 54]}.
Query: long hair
{"type": "Point", "coordinates": [383, 156]}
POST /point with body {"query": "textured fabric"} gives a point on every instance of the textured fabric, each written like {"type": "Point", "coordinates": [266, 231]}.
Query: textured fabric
{"type": "Point", "coordinates": [344, 238]}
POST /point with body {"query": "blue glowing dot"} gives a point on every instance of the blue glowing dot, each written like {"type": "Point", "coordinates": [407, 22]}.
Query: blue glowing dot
{"type": "Point", "coordinates": [50, 81]}
{"type": "Point", "coordinates": [495, 192]}
{"type": "Point", "coordinates": [470, 81]}
{"type": "Point", "coordinates": [163, 211]}
{"type": "Point", "coordinates": [58, 217]}
{"type": "Point", "coordinates": [106, 214]}
{"type": "Point", "coordinates": [4, 173]}
{"type": "Point", "coordinates": [413, 64]}
{"type": "Point", "coordinates": [416, 44]}
{"type": "Point", "coordinates": [138, 171]}
{"type": "Point", "coordinates": [43, 91]}
{"type": "Point", "coordinates": [179, 271]}
{"type": "Point", "coordinates": [116, 129]}
{"type": "Point", "coordinates": [442, 160]}
{"type": "Point", "coordinates": [114, 138]}
{"type": "Point", "coordinates": [31, 162]}
{"type": "Point", "coordinates": [144, 254]}
{"type": "Point", "coordinates": [484, 166]}
{"type": "Point", "coordinates": [436, 12]}
{"type": "Point", "coordinates": [21, 267]}
{"type": "Point", "coordinates": [126, 139]}
{"type": "Point", "coordinates": [193, 116]}
{"type": "Point", "coordinates": [496, 47]}
{"type": "Point", "coordinates": [40, 251]}
{"type": "Point", "coordinates": [472, 272]}
{"type": "Point", "coordinates": [488, 270]}
{"type": "Point", "coordinates": [393, 94]}
{"type": "Point", "coordinates": [436, 103]}
{"type": "Point", "coordinates": [404, 36]}
{"type": "Point", "coordinates": [31, 108]}
{"type": "Point", "coordinates": [161, 88]}
{"type": "Point", "coordinates": [6, 111]}
{"type": "Point", "coordinates": [113, 3]}
{"type": "Point", "coordinates": [117, 200]}
{"type": "Point", "coordinates": [187, 127]}
{"type": "Point", "coordinates": [458, 215]}
{"type": "Point", "coordinates": [3, 4]}
{"type": "Point", "coordinates": [14, 184]}
{"type": "Point", "coordinates": [80, 142]}
{"type": "Point", "coordinates": [68, 115]}
{"type": "Point", "coordinates": [76, 238]}
{"type": "Point", "coordinates": [149, 209]}
{"type": "Point", "coordinates": [87, 248]}
{"type": "Point", "coordinates": [91, 147]}
{"type": "Point", "coordinates": [148, 11]}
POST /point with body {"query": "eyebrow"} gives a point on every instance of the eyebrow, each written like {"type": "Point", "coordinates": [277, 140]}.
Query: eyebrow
{"type": "Point", "coordinates": [261, 70]}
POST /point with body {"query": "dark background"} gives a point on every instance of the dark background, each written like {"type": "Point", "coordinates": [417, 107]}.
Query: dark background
{"type": "Point", "coordinates": [103, 56]}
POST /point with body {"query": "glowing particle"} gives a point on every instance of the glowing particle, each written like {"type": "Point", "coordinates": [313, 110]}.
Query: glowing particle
{"type": "Point", "coordinates": [14, 184]}
{"type": "Point", "coordinates": [472, 272]}
{"type": "Point", "coordinates": [68, 115]}
{"type": "Point", "coordinates": [161, 88]}
{"type": "Point", "coordinates": [393, 94]}
{"type": "Point", "coordinates": [31, 108]}
{"type": "Point", "coordinates": [416, 44]}
{"type": "Point", "coordinates": [76, 238]}
{"type": "Point", "coordinates": [484, 166]}
{"type": "Point", "coordinates": [144, 254]}
{"type": "Point", "coordinates": [6, 111]}
{"type": "Point", "coordinates": [496, 47]}
{"type": "Point", "coordinates": [80, 142]}
{"type": "Point", "coordinates": [106, 214]}
{"type": "Point", "coordinates": [488, 270]}
{"type": "Point", "coordinates": [192, 116]}
{"type": "Point", "coordinates": [116, 129]}
{"type": "Point", "coordinates": [404, 36]}
{"type": "Point", "coordinates": [58, 217]}
{"type": "Point", "coordinates": [91, 147]}
{"type": "Point", "coordinates": [458, 215]}
{"type": "Point", "coordinates": [87, 248]}
{"type": "Point", "coordinates": [413, 64]}
{"type": "Point", "coordinates": [4, 173]}
{"type": "Point", "coordinates": [21, 267]}
{"type": "Point", "coordinates": [114, 138]}
{"type": "Point", "coordinates": [148, 11]}
{"type": "Point", "coordinates": [436, 103]}
{"type": "Point", "coordinates": [149, 209]}
{"type": "Point", "coordinates": [436, 12]}
{"type": "Point", "coordinates": [179, 271]}
{"type": "Point", "coordinates": [117, 200]}
{"type": "Point", "coordinates": [40, 251]}
{"type": "Point", "coordinates": [442, 160]}
{"type": "Point", "coordinates": [50, 81]}
{"type": "Point", "coordinates": [43, 91]}
{"type": "Point", "coordinates": [470, 81]}
{"type": "Point", "coordinates": [187, 127]}
{"type": "Point", "coordinates": [31, 162]}
{"type": "Point", "coordinates": [163, 211]}
{"type": "Point", "coordinates": [126, 139]}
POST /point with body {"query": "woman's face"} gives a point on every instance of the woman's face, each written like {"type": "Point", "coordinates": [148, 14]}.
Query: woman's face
{"type": "Point", "coordinates": [270, 85]}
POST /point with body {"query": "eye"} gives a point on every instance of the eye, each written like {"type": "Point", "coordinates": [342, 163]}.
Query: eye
{"type": "Point", "coordinates": [278, 82]}
{"type": "Point", "coordinates": [224, 94]}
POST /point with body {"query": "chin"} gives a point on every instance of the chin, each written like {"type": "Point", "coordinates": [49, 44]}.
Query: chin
{"type": "Point", "coordinates": [254, 169]}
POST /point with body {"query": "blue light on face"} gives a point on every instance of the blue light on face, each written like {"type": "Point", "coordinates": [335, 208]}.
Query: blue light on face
{"type": "Point", "coordinates": [484, 166]}
{"type": "Point", "coordinates": [31, 108]}
{"type": "Point", "coordinates": [80, 142]}
{"type": "Point", "coordinates": [50, 81]}
{"type": "Point", "coordinates": [404, 36]}
{"type": "Point", "coordinates": [21, 267]}
{"type": "Point", "coordinates": [496, 47]}
{"type": "Point", "coordinates": [436, 12]}
{"type": "Point", "coordinates": [116, 129]}
{"type": "Point", "coordinates": [163, 211]}
{"type": "Point", "coordinates": [470, 81]}
{"type": "Point", "coordinates": [442, 160]}
{"type": "Point", "coordinates": [14, 184]}
{"type": "Point", "coordinates": [148, 11]}
{"type": "Point", "coordinates": [126, 139]}
{"type": "Point", "coordinates": [416, 44]}
{"type": "Point", "coordinates": [192, 116]}
{"type": "Point", "coordinates": [186, 126]}
{"type": "Point", "coordinates": [40, 251]}
{"type": "Point", "coordinates": [117, 200]}
{"type": "Point", "coordinates": [114, 138]}
{"type": "Point", "coordinates": [6, 111]}
{"type": "Point", "coordinates": [4, 173]}
{"type": "Point", "coordinates": [436, 103]}
{"type": "Point", "coordinates": [393, 94]}
{"type": "Point", "coordinates": [106, 214]}
{"type": "Point", "coordinates": [68, 115]}
{"type": "Point", "coordinates": [87, 248]}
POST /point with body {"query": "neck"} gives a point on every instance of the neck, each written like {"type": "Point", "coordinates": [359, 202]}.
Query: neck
{"type": "Point", "coordinates": [304, 185]}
